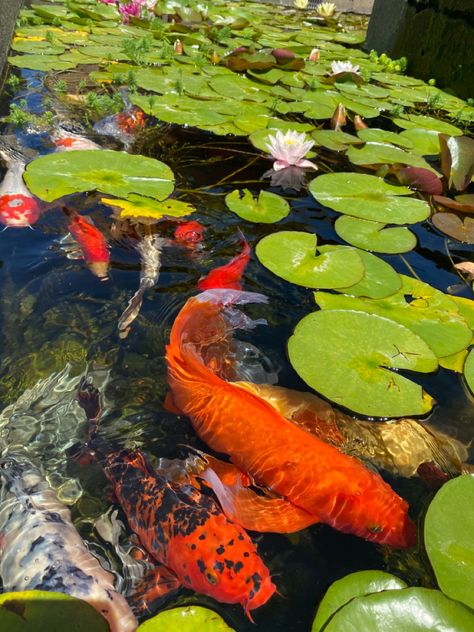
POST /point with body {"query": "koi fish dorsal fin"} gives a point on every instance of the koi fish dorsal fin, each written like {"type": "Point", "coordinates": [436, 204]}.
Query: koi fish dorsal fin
{"type": "Point", "coordinates": [158, 583]}
{"type": "Point", "coordinates": [252, 511]}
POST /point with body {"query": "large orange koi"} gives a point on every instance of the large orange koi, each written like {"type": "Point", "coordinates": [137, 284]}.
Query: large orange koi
{"type": "Point", "coordinates": [309, 480]}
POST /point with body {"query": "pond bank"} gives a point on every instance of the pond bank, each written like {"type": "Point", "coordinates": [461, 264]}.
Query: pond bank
{"type": "Point", "coordinates": [9, 10]}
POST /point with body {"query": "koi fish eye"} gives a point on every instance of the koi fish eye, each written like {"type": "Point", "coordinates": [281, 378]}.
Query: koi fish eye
{"type": "Point", "coordinates": [15, 203]}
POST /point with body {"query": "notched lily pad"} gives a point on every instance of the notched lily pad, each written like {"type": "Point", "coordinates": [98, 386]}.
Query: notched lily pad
{"type": "Point", "coordinates": [354, 370]}
{"type": "Point", "coordinates": [384, 153]}
{"type": "Point", "coordinates": [469, 370]}
{"type": "Point", "coordinates": [268, 208]}
{"type": "Point", "coordinates": [454, 226]}
{"type": "Point", "coordinates": [139, 206]}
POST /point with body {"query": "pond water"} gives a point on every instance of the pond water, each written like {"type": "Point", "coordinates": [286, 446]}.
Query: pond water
{"type": "Point", "coordinates": [57, 316]}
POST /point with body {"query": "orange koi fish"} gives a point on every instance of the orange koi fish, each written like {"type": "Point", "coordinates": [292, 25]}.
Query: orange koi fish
{"type": "Point", "coordinates": [228, 275]}
{"type": "Point", "coordinates": [184, 530]}
{"type": "Point", "coordinates": [309, 480]}
{"type": "Point", "coordinates": [18, 207]}
{"type": "Point", "coordinates": [189, 234]}
{"type": "Point", "coordinates": [91, 241]}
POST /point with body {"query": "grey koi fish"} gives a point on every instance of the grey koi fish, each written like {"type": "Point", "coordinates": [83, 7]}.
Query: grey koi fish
{"type": "Point", "coordinates": [40, 548]}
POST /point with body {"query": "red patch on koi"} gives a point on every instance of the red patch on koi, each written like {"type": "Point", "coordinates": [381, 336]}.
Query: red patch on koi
{"type": "Point", "coordinates": [130, 121]}
{"type": "Point", "coordinates": [228, 275]}
{"type": "Point", "coordinates": [18, 211]}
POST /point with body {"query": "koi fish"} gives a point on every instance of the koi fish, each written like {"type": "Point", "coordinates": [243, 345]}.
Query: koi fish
{"type": "Point", "coordinates": [70, 137]}
{"type": "Point", "coordinates": [91, 241]}
{"type": "Point", "coordinates": [18, 207]}
{"type": "Point", "coordinates": [40, 548]}
{"type": "Point", "coordinates": [228, 275]}
{"type": "Point", "coordinates": [184, 530]}
{"type": "Point", "coordinates": [125, 125]}
{"type": "Point", "coordinates": [150, 248]}
{"type": "Point", "coordinates": [189, 234]}
{"type": "Point", "coordinates": [313, 481]}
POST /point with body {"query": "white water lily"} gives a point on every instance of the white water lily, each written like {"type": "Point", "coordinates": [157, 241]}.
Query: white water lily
{"type": "Point", "coordinates": [301, 4]}
{"type": "Point", "coordinates": [337, 67]}
{"type": "Point", "coordinates": [289, 149]}
{"type": "Point", "coordinates": [326, 9]}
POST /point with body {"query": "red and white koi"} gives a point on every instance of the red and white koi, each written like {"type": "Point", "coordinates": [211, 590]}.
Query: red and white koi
{"type": "Point", "coordinates": [68, 137]}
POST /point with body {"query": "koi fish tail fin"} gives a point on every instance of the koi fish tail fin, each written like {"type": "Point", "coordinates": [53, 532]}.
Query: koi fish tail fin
{"type": "Point", "coordinates": [201, 336]}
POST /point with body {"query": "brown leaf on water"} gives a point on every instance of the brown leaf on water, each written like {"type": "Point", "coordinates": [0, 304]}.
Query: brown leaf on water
{"type": "Point", "coordinates": [461, 204]}
{"type": "Point", "coordinates": [467, 268]}
{"type": "Point", "coordinates": [455, 227]}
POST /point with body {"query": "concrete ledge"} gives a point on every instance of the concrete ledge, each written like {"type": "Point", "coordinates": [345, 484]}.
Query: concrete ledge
{"type": "Point", "coordinates": [9, 10]}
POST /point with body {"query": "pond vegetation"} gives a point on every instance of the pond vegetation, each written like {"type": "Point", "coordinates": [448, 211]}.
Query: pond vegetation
{"type": "Point", "coordinates": [158, 143]}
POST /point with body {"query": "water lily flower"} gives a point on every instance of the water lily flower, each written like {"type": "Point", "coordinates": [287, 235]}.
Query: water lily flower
{"type": "Point", "coordinates": [338, 67]}
{"type": "Point", "coordinates": [178, 47]}
{"type": "Point", "coordinates": [301, 4]}
{"type": "Point", "coordinates": [326, 9]}
{"type": "Point", "coordinates": [289, 149]}
{"type": "Point", "coordinates": [314, 55]}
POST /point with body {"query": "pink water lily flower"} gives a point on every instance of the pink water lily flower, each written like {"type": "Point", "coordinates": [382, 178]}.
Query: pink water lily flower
{"type": "Point", "coordinates": [289, 149]}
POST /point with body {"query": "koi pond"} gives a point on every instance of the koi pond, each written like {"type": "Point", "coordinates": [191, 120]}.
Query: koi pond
{"type": "Point", "coordinates": [237, 362]}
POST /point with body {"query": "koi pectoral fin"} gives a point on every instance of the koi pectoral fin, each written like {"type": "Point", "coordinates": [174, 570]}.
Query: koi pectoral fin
{"type": "Point", "coordinates": [254, 512]}
{"type": "Point", "coordinates": [169, 404]}
{"type": "Point", "coordinates": [155, 585]}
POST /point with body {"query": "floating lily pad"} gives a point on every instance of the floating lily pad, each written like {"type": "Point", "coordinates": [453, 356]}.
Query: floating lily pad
{"type": "Point", "coordinates": [187, 619]}
{"type": "Point", "coordinates": [384, 153]}
{"type": "Point", "coordinates": [425, 141]}
{"type": "Point", "coordinates": [268, 208]}
{"type": "Point", "coordinates": [461, 203]}
{"type": "Point", "coordinates": [375, 135]}
{"type": "Point", "coordinates": [427, 122]}
{"type": "Point", "coordinates": [139, 206]}
{"type": "Point", "coordinates": [354, 585]}
{"type": "Point", "coordinates": [429, 313]}
{"type": "Point", "coordinates": [379, 280]}
{"type": "Point", "coordinates": [374, 236]}
{"type": "Point", "coordinates": [335, 140]}
{"type": "Point", "coordinates": [40, 62]}
{"type": "Point", "coordinates": [41, 611]}
{"type": "Point", "coordinates": [354, 370]}
{"type": "Point", "coordinates": [113, 172]}
{"type": "Point", "coordinates": [454, 226]}
{"type": "Point", "coordinates": [410, 610]}
{"type": "Point", "coordinates": [449, 525]}
{"type": "Point", "coordinates": [368, 197]}
{"type": "Point", "coordinates": [293, 256]}
{"type": "Point", "coordinates": [469, 371]}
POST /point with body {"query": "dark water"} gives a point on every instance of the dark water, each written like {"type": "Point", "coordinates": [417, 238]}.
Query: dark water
{"type": "Point", "coordinates": [53, 311]}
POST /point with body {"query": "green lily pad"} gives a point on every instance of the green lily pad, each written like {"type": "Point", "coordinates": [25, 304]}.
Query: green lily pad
{"type": "Point", "coordinates": [410, 610]}
{"type": "Point", "coordinates": [335, 140]}
{"type": "Point", "coordinates": [454, 362]}
{"type": "Point", "coordinates": [268, 208]}
{"type": "Point", "coordinates": [236, 87]}
{"type": "Point", "coordinates": [427, 122]}
{"type": "Point", "coordinates": [374, 236]}
{"type": "Point", "coordinates": [292, 255]}
{"type": "Point", "coordinates": [368, 197]}
{"type": "Point", "coordinates": [449, 525]}
{"type": "Point", "coordinates": [425, 142]}
{"type": "Point", "coordinates": [353, 370]}
{"type": "Point", "coordinates": [384, 153]}
{"type": "Point", "coordinates": [375, 135]}
{"type": "Point", "coordinates": [41, 611]}
{"type": "Point", "coordinates": [379, 280]}
{"type": "Point", "coordinates": [40, 62]}
{"type": "Point", "coordinates": [429, 313]}
{"type": "Point", "coordinates": [113, 172]}
{"type": "Point", "coordinates": [354, 585]}
{"type": "Point", "coordinates": [466, 309]}
{"type": "Point", "coordinates": [187, 619]}
{"type": "Point", "coordinates": [469, 370]}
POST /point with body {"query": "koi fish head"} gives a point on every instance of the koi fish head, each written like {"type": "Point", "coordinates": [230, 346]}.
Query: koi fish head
{"type": "Point", "coordinates": [18, 211]}
{"type": "Point", "coordinates": [131, 120]}
{"type": "Point", "coordinates": [189, 234]}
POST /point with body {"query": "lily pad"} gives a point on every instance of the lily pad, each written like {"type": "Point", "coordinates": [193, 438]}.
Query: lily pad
{"type": "Point", "coordinates": [449, 525]}
{"type": "Point", "coordinates": [429, 313]}
{"type": "Point", "coordinates": [293, 256]}
{"type": "Point", "coordinates": [425, 141]}
{"type": "Point", "coordinates": [379, 280]}
{"type": "Point", "coordinates": [334, 139]}
{"type": "Point", "coordinates": [41, 611]}
{"type": "Point", "coordinates": [374, 236]}
{"type": "Point", "coordinates": [139, 206]}
{"type": "Point", "coordinates": [420, 179]}
{"type": "Point", "coordinates": [187, 619]}
{"type": "Point", "coordinates": [113, 172]}
{"type": "Point", "coordinates": [454, 226]}
{"type": "Point", "coordinates": [375, 135]}
{"type": "Point", "coordinates": [368, 197]}
{"type": "Point", "coordinates": [427, 122]}
{"type": "Point", "coordinates": [384, 153]}
{"type": "Point", "coordinates": [461, 203]}
{"type": "Point", "coordinates": [354, 585]}
{"type": "Point", "coordinates": [268, 208]}
{"type": "Point", "coordinates": [469, 371]}
{"type": "Point", "coordinates": [41, 62]}
{"type": "Point", "coordinates": [354, 370]}
{"type": "Point", "coordinates": [410, 610]}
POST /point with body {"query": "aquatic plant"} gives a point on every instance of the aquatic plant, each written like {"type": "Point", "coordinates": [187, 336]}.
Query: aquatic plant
{"type": "Point", "coordinates": [289, 149]}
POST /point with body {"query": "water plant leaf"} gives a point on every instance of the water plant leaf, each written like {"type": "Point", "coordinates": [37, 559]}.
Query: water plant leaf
{"type": "Point", "coordinates": [294, 256]}
{"type": "Point", "coordinates": [368, 197]}
{"type": "Point", "coordinates": [420, 179]}
{"type": "Point", "coordinates": [375, 135]}
{"type": "Point", "coordinates": [354, 370]}
{"type": "Point", "coordinates": [268, 208]}
{"type": "Point", "coordinates": [42, 611]}
{"type": "Point", "coordinates": [425, 141]}
{"type": "Point", "coordinates": [427, 122]}
{"type": "Point", "coordinates": [384, 153]}
{"type": "Point", "coordinates": [374, 236]}
{"type": "Point", "coordinates": [187, 619]}
{"type": "Point", "coordinates": [454, 226]}
{"type": "Point", "coordinates": [454, 362]}
{"type": "Point", "coordinates": [353, 585]}
{"type": "Point", "coordinates": [335, 140]}
{"type": "Point", "coordinates": [461, 203]}
{"type": "Point", "coordinates": [139, 206]}
{"type": "Point", "coordinates": [457, 160]}
{"type": "Point", "coordinates": [112, 172]}
{"type": "Point", "coordinates": [410, 610]}
{"type": "Point", "coordinates": [45, 63]}
{"type": "Point", "coordinates": [379, 280]}
{"type": "Point", "coordinates": [449, 541]}
{"type": "Point", "coordinates": [428, 312]}
{"type": "Point", "coordinates": [469, 370]}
